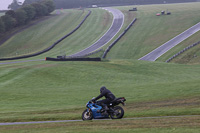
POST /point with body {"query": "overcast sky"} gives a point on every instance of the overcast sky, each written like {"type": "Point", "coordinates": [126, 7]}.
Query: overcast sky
{"type": "Point", "coordinates": [4, 3]}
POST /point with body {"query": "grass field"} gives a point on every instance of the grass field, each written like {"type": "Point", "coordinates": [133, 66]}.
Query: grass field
{"type": "Point", "coordinates": [191, 56]}
{"type": "Point", "coordinates": [147, 33]}
{"type": "Point", "coordinates": [41, 36]}
{"type": "Point", "coordinates": [56, 90]}
{"type": "Point", "coordinates": [59, 90]}
{"type": "Point", "coordinates": [150, 31]}
{"type": "Point", "coordinates": [37, 91]}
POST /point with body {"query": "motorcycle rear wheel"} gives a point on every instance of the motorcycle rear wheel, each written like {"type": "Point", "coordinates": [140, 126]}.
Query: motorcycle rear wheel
{"type": "Point", "coordinates": [118, 113]}
{"type": "Point", "coordinates": [87, 115]}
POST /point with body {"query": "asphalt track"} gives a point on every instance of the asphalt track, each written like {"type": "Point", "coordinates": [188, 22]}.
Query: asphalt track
{"type": "Point", "coordinates": [62, 121]}
{"type": "Point", "coordinates": [155, 54]}
{"type": "Point", "coordinates": [118, 21]}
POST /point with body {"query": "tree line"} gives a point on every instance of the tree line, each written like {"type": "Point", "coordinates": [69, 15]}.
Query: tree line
{"type": "Point", "coordinates": [88, 3]}
{"type": "Point", "coordinates": [31, 9]}
{"type": "Point", "coordinates": [25, 14]}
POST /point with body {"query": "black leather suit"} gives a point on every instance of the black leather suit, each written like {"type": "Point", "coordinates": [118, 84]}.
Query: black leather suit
{"type": "Point", "coordinates": [108, 95]}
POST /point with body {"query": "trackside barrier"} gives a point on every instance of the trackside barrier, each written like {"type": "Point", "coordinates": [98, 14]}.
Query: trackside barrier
{"type": "Point", "coordinates": [97, 51]}
{"type": "Point", "coordinates": [180, 52]}
{"type": "Point", "coordinates": [72, 59]}
{"type": "Point", "coordinates": [118, 38]}
{"type": "Point", "coordinates": [52, 46]}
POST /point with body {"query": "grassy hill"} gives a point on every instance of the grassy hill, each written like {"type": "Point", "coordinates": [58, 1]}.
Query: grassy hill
{"type": "Point", "coordinates": [44, 34]}
{"type": "Point", "coordinates": [37, 91]}
{"type": "Point", "coordinates": [28, 88]}
{"type": "Point", "coordinates": [191, 56]}
{"type": "Point", "coordinates": [151, 31]}
{"type": "Point", "coordinates": [40, 91]}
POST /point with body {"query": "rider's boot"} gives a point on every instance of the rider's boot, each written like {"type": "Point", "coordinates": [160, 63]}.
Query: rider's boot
{"type": "Point", "coordinates": [106, 108]}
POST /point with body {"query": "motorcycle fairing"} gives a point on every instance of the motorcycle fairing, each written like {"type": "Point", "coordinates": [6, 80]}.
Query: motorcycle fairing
{"type": "Point", "coordinates": [96, 111]}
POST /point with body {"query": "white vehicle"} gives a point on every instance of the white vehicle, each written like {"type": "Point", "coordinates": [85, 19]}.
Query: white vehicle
{"type": "Point", "coordinates": [94, 6]}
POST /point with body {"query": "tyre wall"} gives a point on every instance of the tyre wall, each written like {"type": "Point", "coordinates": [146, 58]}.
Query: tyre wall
{"type": "Point", "coordinates": [180, 52]}
{"type": "Point", "coordinates": [72, 59]}
{"type": "Point", "coordinates": [118, 38]}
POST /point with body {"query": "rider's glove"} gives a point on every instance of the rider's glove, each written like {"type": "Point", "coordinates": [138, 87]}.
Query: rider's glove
{"type": "Point", "coordinates": [93, 99]}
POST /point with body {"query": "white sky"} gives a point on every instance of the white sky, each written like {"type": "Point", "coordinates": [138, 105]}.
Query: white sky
{"type": "Point", "coordinates": [4, 3]}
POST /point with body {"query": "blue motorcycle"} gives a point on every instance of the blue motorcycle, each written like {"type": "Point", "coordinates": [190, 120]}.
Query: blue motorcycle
{"type": "Point", "coordinates": [95, 111]}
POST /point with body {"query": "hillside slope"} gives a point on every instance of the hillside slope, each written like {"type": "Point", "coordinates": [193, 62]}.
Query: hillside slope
{"type": "Point", "coordinates": [38, 91]}
{"type": "Point", "coordinates": [44, 34]}
{"type": "Point", "coordinates": [151, 31]}
{"type": "Point", "coordinates": [45, 90]}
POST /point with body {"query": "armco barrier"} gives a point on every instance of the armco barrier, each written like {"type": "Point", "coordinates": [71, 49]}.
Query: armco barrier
{"type": "Point", "coordinates": [72, 59]}
{"type": "Point", "coordinates": [52, 46]}
{"type": "Point", "coordinates": [118, 38]}
{"type": "Point", "coordinates": [180, 52]}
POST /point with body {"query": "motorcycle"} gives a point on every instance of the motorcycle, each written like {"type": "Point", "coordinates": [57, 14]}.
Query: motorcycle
{"type": "Point", "coordinates": [95, 111]}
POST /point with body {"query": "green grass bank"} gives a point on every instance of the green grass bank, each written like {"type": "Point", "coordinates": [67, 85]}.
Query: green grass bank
{"type": "Point", "coordinates": [40, 36]}
{"type": "Point", "coordinates": [41, 91]}
{"type": "Point", "coordinates": [151, 31]}
{"type": "Point", "coordinates": [60, 90]}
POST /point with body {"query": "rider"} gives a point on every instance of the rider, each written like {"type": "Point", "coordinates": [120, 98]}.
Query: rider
{"type": "Point", "coordinates": [108, 95]}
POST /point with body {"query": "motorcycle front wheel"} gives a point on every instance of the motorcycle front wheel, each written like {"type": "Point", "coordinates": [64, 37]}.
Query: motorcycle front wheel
{"type": "Point", "coordinates": [87, 115]}
{"type": "Point", "coordinates": [118, 113]}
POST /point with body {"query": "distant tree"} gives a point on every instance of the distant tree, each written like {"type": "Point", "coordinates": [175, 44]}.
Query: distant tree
{"type": "Point", "coordinates": [11, 13]}
{"type": "Point", "coordinates": [9, 22]}
{"type": "Point", "coordinates": [50, 5]}
{"type": "Point", "coordinates": [41, 9]}
{"type": "Point", "coordinates": [21, 17]}
{"type": "Point", "coordinates": [14, 5]}
{"type": "Point", "coordinates": [2, 27]}
{"type": "Point", "coordinates": [28, 2]}
{"type": "Point", "coordinates": [30, 12]}
{"type": "Point", "coordinates": [44, 10]}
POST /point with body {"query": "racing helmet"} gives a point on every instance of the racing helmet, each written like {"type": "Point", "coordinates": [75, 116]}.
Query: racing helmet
{"type": "Point", "coordinates": [102, 89]}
